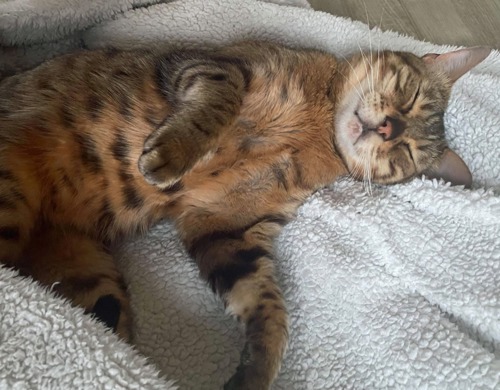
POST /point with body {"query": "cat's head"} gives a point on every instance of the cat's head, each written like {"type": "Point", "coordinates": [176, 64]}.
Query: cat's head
{"type": "Point", "coordinates": [389, 120]}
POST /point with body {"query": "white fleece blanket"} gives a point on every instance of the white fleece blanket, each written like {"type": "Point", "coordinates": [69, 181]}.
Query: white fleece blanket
{"type": "Point", "coordinates": [400, 289]}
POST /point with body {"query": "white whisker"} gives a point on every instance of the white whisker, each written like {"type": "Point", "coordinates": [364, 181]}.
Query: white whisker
{"type": "Point", "coordinates": [371, 48]}
{"type": "Point", "coordinates": [365, 62]}
{"type": "Point", "coordinates": [379, 32]}
{"type": "Point", "coordinates": [356, 74]}
{"type": "Point", "coordinates": [368, 173]}
{"type": "Point", "coordinates": [354, 86]}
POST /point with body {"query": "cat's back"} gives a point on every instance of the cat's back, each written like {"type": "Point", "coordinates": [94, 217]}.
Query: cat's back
{"type": "Point", "coordinates": [80, 89]}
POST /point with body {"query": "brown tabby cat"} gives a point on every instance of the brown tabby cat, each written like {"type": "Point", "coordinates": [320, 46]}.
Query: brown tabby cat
{"type": "Point", "coordinates": [227, 143]}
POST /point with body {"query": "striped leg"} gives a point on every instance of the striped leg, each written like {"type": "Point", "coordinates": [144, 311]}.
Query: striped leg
{"type": "Point", "coordinates": [206, 95]}
{"type": "Point", "coordinates": [238, 265]}
{"type": "Point", "coordinates": [79, 269]}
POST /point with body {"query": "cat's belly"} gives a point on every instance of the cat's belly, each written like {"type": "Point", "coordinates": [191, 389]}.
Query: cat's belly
{"type": "Point", "coordinates": [249, 175]}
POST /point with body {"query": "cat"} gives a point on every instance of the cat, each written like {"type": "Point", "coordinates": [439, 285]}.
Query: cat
{"type": "Point", "coordinates": [99, 145]}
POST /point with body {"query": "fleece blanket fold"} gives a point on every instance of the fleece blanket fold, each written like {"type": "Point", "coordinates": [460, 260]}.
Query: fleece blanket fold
{"type": "Point", "coordinates": [399, 288]}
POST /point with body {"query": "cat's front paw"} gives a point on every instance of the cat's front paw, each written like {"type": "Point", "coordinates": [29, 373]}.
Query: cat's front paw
{"type": "Point", "coordinates": [166, 156]}
{"type": "Point", "coordinates": [159, 167]}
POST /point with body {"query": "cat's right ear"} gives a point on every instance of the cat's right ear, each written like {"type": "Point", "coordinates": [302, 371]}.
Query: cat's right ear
{"type": "Point", "coordinates": [451, 168]}
{"type": "Point", "coordinates": [456, 63]}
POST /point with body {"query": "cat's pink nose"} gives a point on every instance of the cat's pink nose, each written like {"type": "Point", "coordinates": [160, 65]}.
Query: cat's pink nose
{"type": "Point", "coordinates": [385, 129]}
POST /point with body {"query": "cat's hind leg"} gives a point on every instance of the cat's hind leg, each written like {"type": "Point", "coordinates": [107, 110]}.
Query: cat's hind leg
{"type": "Point", "coordinates": [237, 262]}
{"type": "Point", "coordinates": [79, 268]}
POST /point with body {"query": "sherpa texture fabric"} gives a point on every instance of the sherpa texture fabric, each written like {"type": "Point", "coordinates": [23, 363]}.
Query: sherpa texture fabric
{"type": "Point", "coordinates": [399, 288]}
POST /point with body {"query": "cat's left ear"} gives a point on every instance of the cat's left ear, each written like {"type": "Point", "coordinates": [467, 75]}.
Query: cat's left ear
{"type": "Point", "coordinates": [451, 168]}
{"type": "Point", "coordinates": [456, 63]}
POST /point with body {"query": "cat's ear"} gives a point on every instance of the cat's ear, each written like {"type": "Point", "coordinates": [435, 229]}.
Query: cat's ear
{"type": "Point", "coordinates": [451, 168]}
{"type": "Point", "coordinates": [456, 63]}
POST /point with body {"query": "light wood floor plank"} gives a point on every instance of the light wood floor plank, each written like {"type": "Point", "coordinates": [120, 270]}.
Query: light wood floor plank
{"type": "Point", "coordinates": [456, 22]}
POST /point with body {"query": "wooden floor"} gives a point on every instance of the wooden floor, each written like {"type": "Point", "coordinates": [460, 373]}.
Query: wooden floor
{"type": "Point", "coordinates": [457, 22]}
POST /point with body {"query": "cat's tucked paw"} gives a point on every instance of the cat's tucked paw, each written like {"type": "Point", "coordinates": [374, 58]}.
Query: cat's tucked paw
{"type": "Point", "coordinates": [160, 167]}
{"type": "Point", "coordinates": [172, 150]}
{"type": "Point", "coordinates": [166, 156]}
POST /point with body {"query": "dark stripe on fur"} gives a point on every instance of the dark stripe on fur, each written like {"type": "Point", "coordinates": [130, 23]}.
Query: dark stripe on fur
{"type": "Point", "coordinates": [199, 245]}
{"type": "Point", "coordinates": [298, 179]}
{"type": "Point", "coordinates": [6, 203]}
{"type": "Point", "coordinates": [67, 117]}
{"type": "Point", "coordinates": [397, 86]}
{"type": "Point", "coordinates": [218, 107]}
{"type": "Point", "coordinates": [200, 128]}
{"type": "Point", "coordinates": [125, 177]}
{"type": "Point", "coordinates": [106, 218]}
{"type": "Point", "coordinates": [170, 68]}
{"type": "Point", "coordinates": [223, 278]}
{"type": "Point", "coordinates": [107, 310]}
{"type": "Point", "coordinates": [10, 233]}
{"type": "Point", "coordinates": [392, 168]}
{"type": "Point", "coordinates": [256, 322]}
{"type": "Point", "coordinates": [280, 175]}
{"type": "Point", "coordinates": [269, 295]}
{"type": "Point", "coordinates": [120, 148]}
{"type": "Point", "coordinates": [284, 93]}
{"type": "Point", "coordinates": [174, 188]}
{"type": "Point", "coordinates": [111, 52]}
{"type": "Point", "coordinates": [94, 106]}
{"type": "Point", "coordinates": [218, 77]}
{"type": "Point", "coordinates": [193, 63]}
{"type": "Point", "coordinates": [16, 195]}
{"type": "Point", "coordinates": [125, 108]}
{"type": "Point", "coordinates": [132, 198]}
{"type": "Point", "coordinates": [246, 144]}
{"type": "Point", "coordinates": [240, 64]}
{"type": "Point", "coordinates": [89, 153]}
{"type": "Point", "coordinates": [191, 80]}
{"type": "Point", "coordinates": [6, 175]}
{"type": "Point", "coordinates": [66, 181]}
{"type": "Point", "coordinates": [252, 254]}
{"type": "Point", "coordinates": [431, 106]}
{"type": "Point", "coordinates": [150, 118]}
{"type": "Point", "coordinates": [81, 284]}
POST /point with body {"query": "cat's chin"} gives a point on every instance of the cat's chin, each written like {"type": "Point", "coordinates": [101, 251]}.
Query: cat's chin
{"type": "Point", "coordinates": [367, 140]}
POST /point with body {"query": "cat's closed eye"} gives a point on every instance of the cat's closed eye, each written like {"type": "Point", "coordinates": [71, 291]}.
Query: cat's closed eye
{"type": "Point", "coordinates": [406, 108]}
